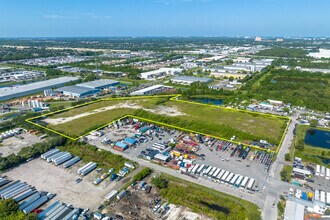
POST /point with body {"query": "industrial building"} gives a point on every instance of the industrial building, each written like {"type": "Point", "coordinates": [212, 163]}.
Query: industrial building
{"type": "Point", "coordinates": [293, 211]}
{"type": "Point", "coordinates": [187, 80]}
{"type": "Point", "coordinates": [161, 73]}
{"type": "Point", "coordinates": [99, 84]}
{"type": "Point", "coordinates": [78, 91]}
{"type": "Point", "coordinates": [32, 88]}
{"type": "Point", "coordinates": [156, 89]}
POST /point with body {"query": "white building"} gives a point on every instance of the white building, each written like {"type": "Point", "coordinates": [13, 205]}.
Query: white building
{"type": "Point", "coordinates": [161, 73]}
{"type": "Point", "coordinates": [323, 53]}
{"type": "Point", "coordinates": [151, 90]}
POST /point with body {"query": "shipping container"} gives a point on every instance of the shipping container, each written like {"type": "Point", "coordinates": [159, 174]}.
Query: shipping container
{"type": "Point", "coordinates": [328, 199]}
{"type": "Point", "coordinates": [224, 177]}
{"type": "Point", "coordinates": [200, 169]}
{"type": "Point", "coordinates": [233, 180]}
{"type": "Point", "coordinates": [220, 175]}
{"type": "Point", "coordinates": [317, 195]}
{"type": "Point", "coordinates": [195, 169]}
{"type": "Point", "coordinates": [205, 173]}
{"type": "Point", "coordinates": [55, 211]}
{"type": "Point", "coordinates": [48, 210]}
{"type": "Point", "coordinates": [50, 153]}
{"type": "Point", "coordinates": [327, 176]}
{"type": "Point", "coordinates": [9, 185]}
{"type": "Point", "coordinates": [216, 173]}
{"type": "Point", "coordinates": [24, 195]}
{"type": "Point", "coordinates": [88, 169]}
{"type": "Point", "coordinates": [250, 184]}
{"type": "Point", "coordinates": [57, 155]}
{"type": "Point", "coordinates": [84, 167]}
{"type": "Point", "coordinates": [71, 214]}
{"type": "Point", "coordinates": [322, 173]}
{"type": "Point", "coordinates": [16, 192]}
{"type": "Point", "coordinates": [35, 204]}
{"type": "Point", "coordinates": [111, 195]}
{"type": "Point", "coordinates": [63, 159]}
{"type": "Point", "coordinates": [322, 196]}
{"type": "Point", "coordinates": [238, 181]}
{"type": "Point", "coordinates": [71, 162]}
{"type": "Point", "coordinates": [66, 209]}
{"type": "Point", "coordinates": [229, 177]}
{"type": "Point", "coordinates": [29, 201]}
{"type": "Point", "coordinates": [318, 170]}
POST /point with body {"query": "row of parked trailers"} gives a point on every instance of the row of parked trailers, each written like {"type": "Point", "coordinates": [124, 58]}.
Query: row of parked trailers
{"type": "Point", "coordinates": [28, 197]}
{"type": "Point", "coordinates": [58, 157]}
{"type": "Point", "coordinates": [322, 196]}
{"type": "Point", "coordinates": [58, 211]}
{"type": "Point", "coordinates": [222, 176]}
{"type": "Point", "coordinates": [322, 172]}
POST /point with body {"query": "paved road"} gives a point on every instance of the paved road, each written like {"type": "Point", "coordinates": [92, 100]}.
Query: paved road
{"type": "Point", "coordinates": [277, 187]}
{"type": "Point", "coordinates": [272, 190]}
{"type": "Point", "coordinates": [254, 198]}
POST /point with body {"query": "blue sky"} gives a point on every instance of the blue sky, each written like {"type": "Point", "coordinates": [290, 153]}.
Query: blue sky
{"type": "Point", "coordinates": [75, 18]}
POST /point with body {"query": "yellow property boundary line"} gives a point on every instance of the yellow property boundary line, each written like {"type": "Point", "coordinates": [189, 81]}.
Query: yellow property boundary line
{"type": "Point", "coordinates": [174, 97]}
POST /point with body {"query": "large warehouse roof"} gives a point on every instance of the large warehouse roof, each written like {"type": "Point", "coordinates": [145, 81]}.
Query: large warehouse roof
{"type": "Point", "coordinates": [76, 89]}
{"type": "Point", "coordinates": [27, 89]}
{"type": "Point", "coordinates": [98, 84]}
{"type": "Point", "coordinates": [192, 79]}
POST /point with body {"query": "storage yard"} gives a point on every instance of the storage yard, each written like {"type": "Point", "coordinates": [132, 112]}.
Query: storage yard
{"type": "Point", "coordinates": [191, 154]}
{"type": "Point", "coordinates": [49, 177]}
{"type": "Point", "coordinates": [14, 143]}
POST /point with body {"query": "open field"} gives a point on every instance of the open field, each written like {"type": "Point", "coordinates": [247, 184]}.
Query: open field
{"type": "Point", "coordinates": [310, 153]}
{"type": "Point", "coordinates": [104, 159]}
{"type": "Point", "coordinates": [212, 120]}
{"type": "Point", "coordinates": [212, 203]}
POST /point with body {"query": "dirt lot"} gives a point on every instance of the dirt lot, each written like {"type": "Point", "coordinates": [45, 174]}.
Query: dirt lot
{"type": "Point", "coordinates": [55, 179]}
{"type": "Point", "coordinates": [141, 206]}
{"type": "Point", "coordinates": [14, 144]}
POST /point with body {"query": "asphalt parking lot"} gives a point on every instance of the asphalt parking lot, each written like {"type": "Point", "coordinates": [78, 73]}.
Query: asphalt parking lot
{"type": "Point", "coordinates": [14, 144]}
{"type": "Point", "coordinates": [221, 159]}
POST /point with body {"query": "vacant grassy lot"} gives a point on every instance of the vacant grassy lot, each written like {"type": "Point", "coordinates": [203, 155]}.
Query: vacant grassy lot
{"type": "Point", "coordinates": [88, 153]}
{"type": "Point", "coordinates": [211, 120]}
{"type": "Point", "coordinates": [212, 203]}
{"type": "Point", "coordinates": [262, 126]}
{"type": "Point", "coordinates": [310, 153]}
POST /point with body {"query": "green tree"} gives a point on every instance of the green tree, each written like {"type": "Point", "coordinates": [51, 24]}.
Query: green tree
{"type": "Point", "coordinates": [160, 182]}
{"type": "Point", "coordinates": [313, 123]}
{"type": "Point", "coordinates": [287, 157]}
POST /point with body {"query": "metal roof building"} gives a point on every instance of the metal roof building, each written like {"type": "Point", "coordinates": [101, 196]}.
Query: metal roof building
{"type": "Point", "coordinates": [294, 211]}
{"type": "Point", "coordinates": [156, 89]}
{"type": "Point", "coordinates": [32, 88]}
{"type": "Point", "coordinates": [190, 79]}
{"type": "Point", "coordinates": [99, 84]}
{"type": "Point", "coordinates": [78, 91]}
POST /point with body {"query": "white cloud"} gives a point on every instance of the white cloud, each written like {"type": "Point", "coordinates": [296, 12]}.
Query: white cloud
{"type": "Point", "coordinates": [76, 15]}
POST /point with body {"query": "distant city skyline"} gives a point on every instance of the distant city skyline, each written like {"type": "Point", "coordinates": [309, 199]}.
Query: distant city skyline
{"type": "Point", "coordinates": [119, 18]}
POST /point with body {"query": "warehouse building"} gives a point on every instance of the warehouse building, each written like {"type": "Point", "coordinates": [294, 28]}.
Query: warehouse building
{"type": "Point", "coordinates": [32, 88]}
{"type": "Point", "coordinates": [152, 90]}
{"type": "Point", "coordinates": [99, 84]}
{"type": "Point", "coordinates": [187, 80]}
{"type": "Point", "coordinates": [161, 73]}
{"type": "Point", "coordinates": [78, 91]}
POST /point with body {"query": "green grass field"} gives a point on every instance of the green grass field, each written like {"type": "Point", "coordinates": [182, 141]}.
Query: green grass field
{"type": "Point", "coordinates": [207, 201]}
{"type": "Point", "coordinates": [310, 153]}
{"type": "Point", "coordinates": [220, 122]}
{"type": "Point", "coordinates": [104, 159]}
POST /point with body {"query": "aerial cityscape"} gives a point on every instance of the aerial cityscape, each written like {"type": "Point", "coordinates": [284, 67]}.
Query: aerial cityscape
{"type": "Point", "coordinates": [164, 109]}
